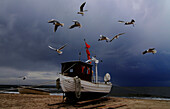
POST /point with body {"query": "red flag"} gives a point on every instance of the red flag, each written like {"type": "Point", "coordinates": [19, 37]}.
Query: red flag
{"type": "Point", "coordinates": [87, 45]}
{"type": "Point", "coordinates": [88, 54]}
{"type": "Point", "coordinates": [87, 51]}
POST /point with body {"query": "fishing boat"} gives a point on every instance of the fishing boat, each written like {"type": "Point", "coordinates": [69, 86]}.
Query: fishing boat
{"type": "Point", "coordinates": [78, 83]}
{"type": "Point", "coordinates": [30, 90]}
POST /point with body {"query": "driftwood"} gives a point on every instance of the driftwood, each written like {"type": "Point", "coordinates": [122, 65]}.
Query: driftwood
{"type": "Point", "coordinates": [112, 106]}
{"type": "Point", "coordinates": [95, 106]}
{"type": "Point", "coordinates": [93, 101]}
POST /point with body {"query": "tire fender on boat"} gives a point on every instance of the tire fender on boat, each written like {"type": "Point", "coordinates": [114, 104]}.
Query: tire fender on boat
{"type": "Point", "coordinates": [77, 87]}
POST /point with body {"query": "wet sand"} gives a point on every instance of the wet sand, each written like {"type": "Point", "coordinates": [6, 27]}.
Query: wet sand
{"type": "Point", "coordinates": [28, 101]}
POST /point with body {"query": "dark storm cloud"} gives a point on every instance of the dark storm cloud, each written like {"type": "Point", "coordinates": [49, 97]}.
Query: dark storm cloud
{"type": "Point", "coordinates": [25, 36]}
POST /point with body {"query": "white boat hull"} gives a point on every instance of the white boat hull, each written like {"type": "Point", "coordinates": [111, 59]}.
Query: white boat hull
{"type": "Point", "coordinates": [88, 89]}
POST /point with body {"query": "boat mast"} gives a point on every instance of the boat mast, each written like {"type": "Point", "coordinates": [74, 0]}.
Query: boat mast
{"type": "Point", "coordinates": [96, 62]}
{"type": "Point", "coordinates": [96, 72]}
{"type": "Point", "coordinates": [91, 59]}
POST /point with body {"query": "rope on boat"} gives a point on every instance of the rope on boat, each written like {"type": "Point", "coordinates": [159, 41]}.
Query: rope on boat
{"type": "Point", "coordinates": [77, 87]}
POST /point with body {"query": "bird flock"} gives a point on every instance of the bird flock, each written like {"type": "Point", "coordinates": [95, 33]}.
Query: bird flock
{"type": "Point", "coordinates": [102, 37]}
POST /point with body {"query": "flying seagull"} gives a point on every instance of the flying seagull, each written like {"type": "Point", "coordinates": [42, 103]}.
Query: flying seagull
{"type": "Point", "coordinates": [81, 9]}
{"type": "Point", "coordinates": [23, 77]}
{"type": "Point", "coordinates": [128, 23]}
{"type": "Point", "coordinates": [150, 50]}
{"type": "Point", "coordinates": [58, 50]}
{"type": "Point", "coordinates": [76, 24]}
{"type": "Point", "coordinates": [103, 38]}
{"type": "Point", "coordinates": [116, 37]}
{"type": "Point", "coordinates": [56, 23]}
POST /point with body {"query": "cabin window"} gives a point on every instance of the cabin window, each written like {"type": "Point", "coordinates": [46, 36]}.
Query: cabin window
{"type": "Point", "coordinates": [71, 70]}
{"type": "Point", "coordinates": [84, 69]}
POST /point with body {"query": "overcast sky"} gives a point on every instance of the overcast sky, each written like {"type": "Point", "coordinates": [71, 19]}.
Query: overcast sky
{"type": "Point", "coordinates": [25, 35]}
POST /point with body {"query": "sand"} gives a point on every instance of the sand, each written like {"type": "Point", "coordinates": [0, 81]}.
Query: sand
{"type": "Point", "coordinates": [28, 101]}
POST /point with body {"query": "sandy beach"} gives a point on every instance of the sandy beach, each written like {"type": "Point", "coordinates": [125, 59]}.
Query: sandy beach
{"type": "Point", "coordinates": [28, 101]}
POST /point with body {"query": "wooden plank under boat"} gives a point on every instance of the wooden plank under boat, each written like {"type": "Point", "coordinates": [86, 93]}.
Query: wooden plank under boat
{"type": "Point", "coordinates": [28, 90]}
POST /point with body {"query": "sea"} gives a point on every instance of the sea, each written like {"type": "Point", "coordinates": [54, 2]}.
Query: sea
{"type": "Point", "coordinates": [7, 89]}
{"type": "Point", "coordinates": [156, 93]}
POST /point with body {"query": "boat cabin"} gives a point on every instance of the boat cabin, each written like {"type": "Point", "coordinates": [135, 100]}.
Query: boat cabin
{"type": "Point", "coordinates": [77, 68]}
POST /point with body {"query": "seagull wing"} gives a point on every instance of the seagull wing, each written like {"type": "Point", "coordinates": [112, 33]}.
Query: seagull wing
{"type": "Point", "coordinates": [55, 28]}
{"type": "Point", "coordinates": [120, 34]}
{"type": "Point", "coordinates": [113, 38]}
{"type": "Point", "coordinates": [52, 48]}
{"type": "Point", "coordinates": [57, 22]}
{"type": "Point", "coordinates": [81, 7]}
{"type": "Point", "coordinates": [52, 21]}
{"type": "Point", "coordinates": [132, 20]}
{"type": "Point", "coordinates": [150, 49]}
{"type": "Point", "coordinates": [103, 37]}
{"type": "Point", "coordinates": [116, 36]}
{"type": "Point", "coordinates": [72, 26]}
{"type": "Point", "coordinates": [76, 22]}
{"type": "Point", "coordinates": [144, 52]}
{"type": "Point", "coordinates": [120, 21]}
{"type": "Point", "coordinates": [62, 47]}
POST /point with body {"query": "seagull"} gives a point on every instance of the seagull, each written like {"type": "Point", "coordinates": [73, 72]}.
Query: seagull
{"type": "Point", "coordinates": [23, 77]}
{"type": "Point", "coordinates": [128, 23]}
{"type": "Point", "coordinates": [56, 23]}
{"type": "Point", "coordinates": [103, 38]}
{"type": "Point", "coordinates": [76, 24]}
{"type": "Point", "coordinates": [107, 77]}
{"type": "Point", "coordinates": [116, 37]}
{"type": "Point", "coordinates": [58, 50]}
{"type": "Point", "coordinates": [150, 50]}
{"type": "Point", "coordinates": [81, 9]}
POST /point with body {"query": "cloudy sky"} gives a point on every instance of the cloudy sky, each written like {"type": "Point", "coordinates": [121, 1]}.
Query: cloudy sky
{"type": "Point", "coordinates": [25, 36]}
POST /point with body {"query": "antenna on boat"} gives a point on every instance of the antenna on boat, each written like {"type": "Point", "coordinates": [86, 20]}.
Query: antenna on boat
{"type": "Point", "coordinates": [79, 56]}
{"type": "Point", "coordinates": [93, 59]}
